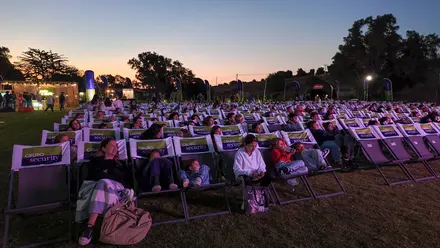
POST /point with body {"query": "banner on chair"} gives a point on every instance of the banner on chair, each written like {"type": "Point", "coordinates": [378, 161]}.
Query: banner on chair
{"type": "Point", "coordinates": [87, 150]}
{"type": "Point", "coordinates": [194, 145]}
{"type": "Point", "coordinates": [265, 139]}
{"type": "Point", "coordinates": [249, 116]}
{"type": "Point", "coordinates": [232, 130]}
{"type": "Point", "coordinates": [272, 120]}
{"type": "Point", "coordinates": [48, 137]}
{"type": "Point", "coordinates": [132, 133]}
{"type": "Point", "coordinates": [34, 156]}
{"type": "Point", "coordinates": [214, 112]}
{"type": "Point", "coordinates": [199, 130]}
{"type": "Point", "coordinates": [364, 133]}
{"type": "Point", "coordinates": [109, 124]}
{"type": "Point", "coordinates": [67, 120]}
{"type": "Point", "coordinates": [302, 136]}
{"type": "Point", "coordinates": [57, 127]}
{"type": "Point", "coordinates": [387, 131]}
{"type": "Point", "coordinates": [172, 131]}
{"type": "Point", "coordinates": [97, 135]}
{"type": "Point", "coordinates": [351, 123]}
{"type": "Point", "coordinates": [428, 128]}
{"type": "Point", "coordinates": [228, 142]}
{"type": "Point", "coordinates": [143, 148]}
{"type": "Point", "coordinates": [162, 123]}
{"type": "Point", "coordinates": [409, 129]}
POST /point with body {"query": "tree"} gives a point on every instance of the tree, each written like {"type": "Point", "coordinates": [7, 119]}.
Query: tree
{"type": "Point", "coordinates": [7, 69]}
{"type": "Point", "coordinates": [320, 71]}
{"type": "Point", "coordinates": [300, 72]}
{"type": "Point", "coordinates": [276, 81]}
{"type": "Point", "coordinates": [160, 72]}
{"type": "Point", "coordinates": [312, 72]}
{"type": "Point", "coordinates": [40, 65]}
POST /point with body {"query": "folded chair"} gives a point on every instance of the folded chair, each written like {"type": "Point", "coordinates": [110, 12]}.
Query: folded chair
{"type": "Point", "coordinates": [202, 149]}
{"type": "Point", "coordinates": [371, 146]}
{"type": "Point", "coordinates": [309, 142]}
{"type": "Point", "coordinates": [42, 184]}
{"type": "Point", "coordinates": [397, 145]}
{"type": "Point", "coordinates": [139, 150]}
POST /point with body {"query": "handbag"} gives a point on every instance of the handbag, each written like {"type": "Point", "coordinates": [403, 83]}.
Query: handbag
{"type": "Point", "coordinates": [257, 201]}
{"type": "Point", "coordinates": [125, 224]}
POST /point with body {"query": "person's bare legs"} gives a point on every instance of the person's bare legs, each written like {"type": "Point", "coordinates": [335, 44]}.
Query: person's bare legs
{"type": "Point", "coordinates": [86, 236]}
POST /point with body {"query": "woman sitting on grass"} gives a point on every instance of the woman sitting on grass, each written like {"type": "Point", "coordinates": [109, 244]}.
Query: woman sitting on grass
{"type": "Point", "coordinates": [103, 187]}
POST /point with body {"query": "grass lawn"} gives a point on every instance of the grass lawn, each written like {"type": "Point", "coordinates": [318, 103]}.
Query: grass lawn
{"type": "Point", "coordinates": [370, 215]}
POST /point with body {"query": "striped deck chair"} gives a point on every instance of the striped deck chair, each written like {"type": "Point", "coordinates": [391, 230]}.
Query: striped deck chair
{"type": "Point", "coordinates": [42, 185]}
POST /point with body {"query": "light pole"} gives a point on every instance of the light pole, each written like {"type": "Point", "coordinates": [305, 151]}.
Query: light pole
{"type": "Point", "coordinates": [366, 80]}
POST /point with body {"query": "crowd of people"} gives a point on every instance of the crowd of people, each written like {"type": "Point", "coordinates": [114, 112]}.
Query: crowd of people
{"type": "Point", "coordinates": [12, 102]}
{"type": "Point", "coordinates": [110, 180]}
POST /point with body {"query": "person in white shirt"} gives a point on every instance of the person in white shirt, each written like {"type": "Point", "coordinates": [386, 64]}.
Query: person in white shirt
{"type": "Point", "coordinates": [249, 163]}
{"type": "Point", "coordinates": [50, 101]}
{"type": "Point", "coordinates": [118, 103]}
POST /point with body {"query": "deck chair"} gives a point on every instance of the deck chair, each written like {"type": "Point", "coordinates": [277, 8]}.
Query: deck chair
{"type": "Point", "coordinates": [42, 184]}
{"type": "Point", "coordinates": [139, 150]}
{"type": "Point", "coordinates": [273, 123]}
{"type": "Point", "coordinates": [132, 133]}
{"type": "Point", "coordinates": [57, 127]}
{"type": "Point", "coordinates": [371, 146]}
{"type": "Point", "coordinates": [415, 139]}
{"type": "Point", "coordinates": [396, 144]}
{"type": "Point", "coordinates": [199, 130]}
{"type": "Point", "coordinates": [309, 142]}
{"type": "Point", "coordinates": [48, 137]}
{"type": "Point", "coordinates": [202, 149]}
{"type": "Point", "coordinates": [431, 133]}
{"type": "Point", "coordinates": [232, 129]}
{"type": "Point", "coordinates": [227, 146]}
{"type": "Point", "coordinates": [98, 135]}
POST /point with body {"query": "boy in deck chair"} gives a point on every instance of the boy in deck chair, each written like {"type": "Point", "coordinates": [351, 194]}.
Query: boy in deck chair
{"type": "Point", "coordinates": [314, 159]}
{"type": "Point", "coordinates": [194, 174]}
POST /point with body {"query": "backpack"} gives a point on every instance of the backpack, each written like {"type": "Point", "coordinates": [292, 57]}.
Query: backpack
{"type": "Point", "coordinates": [125, 224]}
{"type": "Point", "coordinates": [256, 200]}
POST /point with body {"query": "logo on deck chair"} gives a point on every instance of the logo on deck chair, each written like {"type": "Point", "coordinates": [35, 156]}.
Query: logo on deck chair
{"type": "Point", "coordinates": [351, 123]}
{"type": "Point", "coordinates": [135, 133]}
{"type": "Point", "coordinates": [264, 140]}
{"type": "Point", "coordinates": [63, 127]}
{"type": "Point", "coordinates": [163, 123]}
{"type": "Point", "coordinates": [144, 148]}
{"type": "Point", "coordinates": [194, 145]}
{"type": "Point", "coordinates": [50, 138]}
{"type": "Point", "coordinates": [231, 142]}
{"type": "Point", "coordinates": [109, 124]}
{"type": "Point", "coordinates": [388, 131]}
{"type": "Point", "coordinates": [299, 137]}
{"type": "Point", "coordinates": [364, 133]}
{"type": "Point", "coordinates": [272, 120]}
{"type": "Point", "coordinates": [201, 130]}
{"type": "Point", "coordinates": [231, 130]}
{"type": "Point", "coordinates": [90, 150]}
{"type": "Point", "coordinates": [42, 155]}
{"type": "Point", "coordinates": [249, 117]}
{"type": "Point", "coordinates": [171, 131]}
{"type": "Point", "coordinates": [428, 128]}
{"type": "Point", "coordinates": [410, 129]}
{"type": "Point", "coordinates": [97, 135]}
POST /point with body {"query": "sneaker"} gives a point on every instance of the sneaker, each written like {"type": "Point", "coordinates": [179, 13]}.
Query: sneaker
{"type": "Point", "coordinates": [198, 181]}
{"type": "Point", "coordinates": [156, 188]}
{"type": "Point", "coordinates": [284, 171]}
{"type": "Point", "coordinates": [86, 236]}
{"type": "Point", "coordinates": [173, 186]}
{"type": "Point", "coordinates": [185, 183]}
{"type": "Point", "coordinates": [325, 152]}
{"type": "Point", "coordinates": [292, 182]}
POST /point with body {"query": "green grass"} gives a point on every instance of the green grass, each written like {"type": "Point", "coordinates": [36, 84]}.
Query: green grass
{"type": "Point", "coordinates": [370, 215]}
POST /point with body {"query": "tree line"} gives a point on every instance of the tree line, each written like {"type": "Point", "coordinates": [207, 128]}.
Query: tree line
{"type": "Point", "coordinates": [373, 46]}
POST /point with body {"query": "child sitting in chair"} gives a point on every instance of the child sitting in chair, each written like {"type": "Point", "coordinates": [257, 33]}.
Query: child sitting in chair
{"type": "Point", "coordinates": [314, 159]}
{"type": "Point", "coordinates": [195, 174]}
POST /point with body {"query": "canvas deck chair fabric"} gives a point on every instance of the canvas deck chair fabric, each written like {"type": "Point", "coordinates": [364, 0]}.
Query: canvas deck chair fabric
{"type": "Point", "coordinates": [232, 129]}
{"type": "Point", "coordinates": [132, 133]}
{"type": "Point", "coordinates": [139, 150]}
{"type": "Point", "coordinates": [347, 123]}
{"type": "Point", "coordinates": [42, 186]}
{"type": "Point", "coordinates": [227, 146]}
{"type": "Point", "coordinates": [309, 142]}
{"type": "Point", "coordinates": [431, 132]}
{"type": "Point", "coordinates": [273, 123]}
{"type": "Point", "coordinates": [166, 123]}
{"type": "Point", "coordinates": [395, 142]}
{"type": "Point", "coordinates": [48, 137]}
{"type": "Point", "coordinates": [199, 130]}
{"type": "Point", "coordinates": [57, 127]}
{"type": "Point", "coordinates": [202, 149]}
{"type": "Point", "coordinates": [98, 135]}
{"type": "Point", "coordinates": [371, 146]}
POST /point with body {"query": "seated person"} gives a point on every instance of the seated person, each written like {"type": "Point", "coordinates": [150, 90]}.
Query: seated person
{"type": "Point", "coordinates": [158, 172]}
{"type": "Point", "coordinates": [385, 121]}
{"type": "Point", "coordinates": [249, 163]}
{"type": "Point", "coordinates": [343, 139]}
{"type": "Point", "coordinates": [61, 138]}
{"type": "Point", "coordinates": [137, 123]}
{"type": "Point", "coordinates": [103, 187]}
{"type": "Point", "coordinates": [292, 124]}
{"type": "Point", "coordinates": [314, 159]}
{"type": "Point", "coordinates": [230, 119]}
{"type": "Point", "coordinates": [282, 158]}
{"type": "Point", "coordinates": [194, 174]}
{"type": "Point", "coordinates": [257, 127]}
{"type": "Point", "coordinates": [326, 140]}
{"type": "Point", "coordinates": [239, 119]}
{"type": "Point", "coordinates": [373, 123]}
{"type": "Point", "coordinates": [74, 125]}
{"type": "Point", "coordinates": [208, 121]}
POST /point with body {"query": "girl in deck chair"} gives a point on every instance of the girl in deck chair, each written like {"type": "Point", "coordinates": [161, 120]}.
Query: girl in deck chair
{"type": "Point", "coordinates": [282, 159]}
{"type": "Point", "coordinates": [103, 187]}
{"type": "Point", "coordinates": [157, 173]}
{"type": "Point", "coordinates": [194, 174]}
{"type": "Point", "coordinates": [314, 159]}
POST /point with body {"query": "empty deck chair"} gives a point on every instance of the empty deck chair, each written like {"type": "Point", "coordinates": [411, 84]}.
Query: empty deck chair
{"type": "Point", "coordinates": [371, 146]}
{"type": "Point", "coordinates": [202, 149]}
{"type": "Point", "coordinates": [98, 135]}
{"type": "Point", "coordinates": [42, 184]}
{"type": "Point", "coordinates": [139, 151]}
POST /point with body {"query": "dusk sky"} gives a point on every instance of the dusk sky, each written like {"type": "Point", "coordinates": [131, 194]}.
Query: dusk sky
{"type": "Point", "coordinates": [213, 38]}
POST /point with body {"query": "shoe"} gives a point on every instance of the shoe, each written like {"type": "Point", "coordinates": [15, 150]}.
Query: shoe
{"type": "Point", "coordinates": [325, 152]}
{"type": "Point", "coordinates": [173, 186]}
{"type": "Point", "coordinates": [284, 171]}
{"type": "Point", "coordinates": [156, 188]}
{"type": "Point", "coordinates": [198, 181]}
{"type": "Point", "coordinates": [86, 236]}
{"type": "Point", "coordinates": [185, 183]}
{"type": "Point", "coordinates": [292, 182]}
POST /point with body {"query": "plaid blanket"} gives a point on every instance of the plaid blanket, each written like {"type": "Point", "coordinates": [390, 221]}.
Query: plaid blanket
{"type": "Point", "coordinates": [98, 197]}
